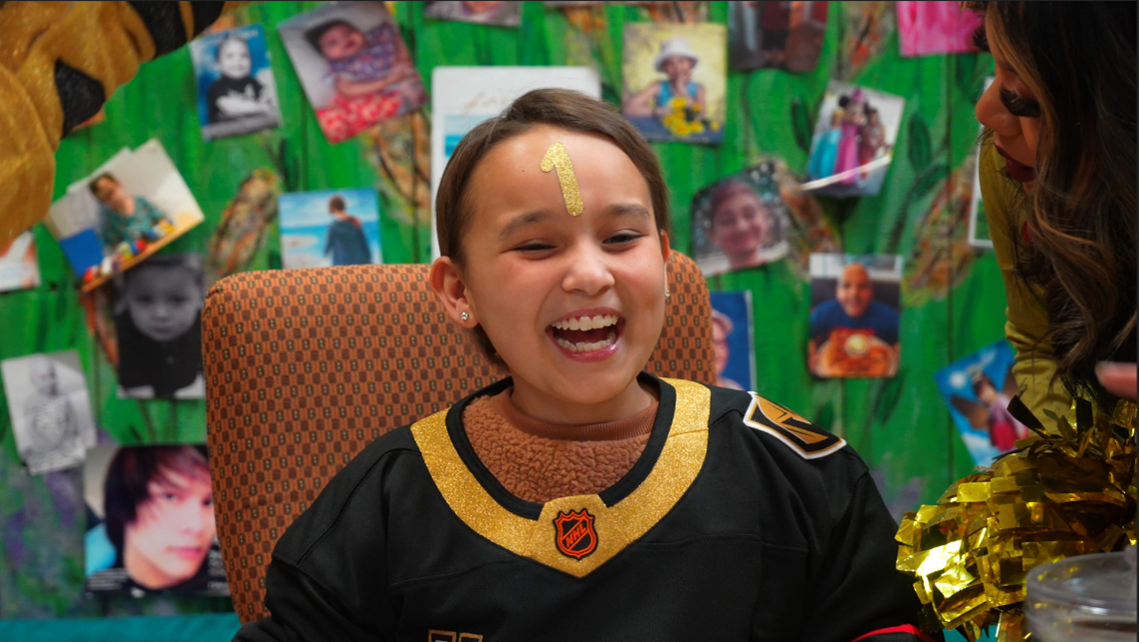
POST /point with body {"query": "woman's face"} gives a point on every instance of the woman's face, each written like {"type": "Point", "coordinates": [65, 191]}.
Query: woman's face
{"type": "Point", "coordinates": [740, 225]}
{"type": "Point", "coordinates": [573, 304]}
{"type": "Point", "coordinates": [1009, 108]}
{"type": "Point", "coordinates": [233, 59]}
{"type": "Point", "coordinates": [173, 530]}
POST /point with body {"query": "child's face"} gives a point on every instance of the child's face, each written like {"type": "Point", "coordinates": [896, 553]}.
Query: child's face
{"type": "Point", "coordinates": [233, 59]}
{"type": "Point", "coordinates": [341, 42]}
{"type": "Point", "coordinates": [164, 301]}
{"type": "Point", "coordinates": [533, 271]}
{"type": "Point", "coordinates": [677, 67]}
{"type": "Point", "coordinates": [740, 225]}
{"type": "Point", "coordinates": [111, 193]}
{"type": "Point", "coordinates": [43, 378]}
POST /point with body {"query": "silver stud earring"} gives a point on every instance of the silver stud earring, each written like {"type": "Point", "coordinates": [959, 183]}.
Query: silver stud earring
{"type": "Point", "coordinates": [667, 294]}
{"type": "Point", "coordinates": [465, 316]}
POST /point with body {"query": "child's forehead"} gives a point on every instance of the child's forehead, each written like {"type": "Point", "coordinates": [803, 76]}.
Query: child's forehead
{"type": "Point", "coordinates": [233, 41]}
{"type": "Point", "coordinates": [158, 277]}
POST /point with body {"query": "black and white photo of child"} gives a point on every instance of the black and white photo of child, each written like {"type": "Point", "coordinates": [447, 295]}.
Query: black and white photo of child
{"type": "Point", "coordinates": [50, 411]}
{"type": "Point", "coordinates": [236, 92]}
{"type": "Point", "coordinates": [158, 313]}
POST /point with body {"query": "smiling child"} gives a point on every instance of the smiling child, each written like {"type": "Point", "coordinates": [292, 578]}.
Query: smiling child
{"type": "Point", "coordinates": [583, 498]}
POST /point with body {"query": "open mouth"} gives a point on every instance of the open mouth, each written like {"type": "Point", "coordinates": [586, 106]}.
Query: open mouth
{"type": "Point", "coordinates": [1018, 171]}
{"type": "Point", "coordinates": [587, 333]}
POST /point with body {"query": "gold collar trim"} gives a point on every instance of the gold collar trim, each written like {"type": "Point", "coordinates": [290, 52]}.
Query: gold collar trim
{"type": "Point", "coordinates": [615, 526]}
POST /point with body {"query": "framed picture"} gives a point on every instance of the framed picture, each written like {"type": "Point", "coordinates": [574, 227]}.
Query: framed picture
{"type": "Point", "coordinates": [979, 236]}
{"type": "Point", "coordinates": [855, 315]}
{"type": "Point", "coordinates": [330, 227]}
{"type": "Point", "coordinates": [977, 389]}
{"type": "Point", "coordinates": [49, 409]}
{"type": "Point", "coordinates": [236, 91]}
{"type": "Point", "coordinates": [854, 140]}
{"type": "Point", "coordinates": [936, 27]}
{"type": "Point", "coordinates": [740, 222]}
{"type": "Point", "coordinates": [779, 35]}
{"type": "Point", "coordinates": [353, 65]}
{"type": "Point", "coordinates": [19, 267]}
{"type": "Point", "coordinates": [733, 339]}
{"type": "Point", "coordinates": [675, 79]}
{"type": "Point", "coordinates": [151, 526]}
{"type": "Point", "coordinates": [507, 14]}
{"type": "Point", "coordinates": [123, 212]}
{"type": "Point", "coordinates": [158, 322]}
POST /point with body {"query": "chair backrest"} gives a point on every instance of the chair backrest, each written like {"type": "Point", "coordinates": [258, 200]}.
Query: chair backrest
{"type": "Point", "coordinates": [306, 367]}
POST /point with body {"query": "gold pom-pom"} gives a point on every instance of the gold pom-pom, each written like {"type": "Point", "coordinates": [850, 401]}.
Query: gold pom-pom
{"type": "Point", "coordinates": [1069, 491]}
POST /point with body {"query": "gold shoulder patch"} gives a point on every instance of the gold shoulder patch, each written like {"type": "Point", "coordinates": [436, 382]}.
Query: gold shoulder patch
{"type": "Point", "coordinates": [804, 439]}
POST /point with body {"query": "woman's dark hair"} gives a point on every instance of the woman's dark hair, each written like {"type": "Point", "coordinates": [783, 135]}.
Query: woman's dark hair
{"type": "Point", "coordinates": [1079, 61]}
{"type": "Point", "coordinates": [555, 107]}
{"type": "Point", "coordinates": [314, 34]}
{"type": "Point", "coordinates": [131, 471]}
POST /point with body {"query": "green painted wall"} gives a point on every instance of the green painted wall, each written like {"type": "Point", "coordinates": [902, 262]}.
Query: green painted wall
{"type": "Point", "coordinates": [954, 299]}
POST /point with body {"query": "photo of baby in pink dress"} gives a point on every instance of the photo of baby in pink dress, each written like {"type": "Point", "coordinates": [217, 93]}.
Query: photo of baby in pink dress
{"type": "Point", "coordinates": [928, 28]}
{"type": "Point", "coordinates": [354, 66]}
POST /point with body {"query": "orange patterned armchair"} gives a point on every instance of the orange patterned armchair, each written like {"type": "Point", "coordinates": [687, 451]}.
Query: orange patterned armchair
{"type": "Point", "coordinates": [306, 367]}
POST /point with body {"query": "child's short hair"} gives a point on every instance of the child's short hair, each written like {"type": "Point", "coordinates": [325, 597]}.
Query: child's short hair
{"type": "Point", "coordinates": [131, 471]}
{"type": "Point", "coordinates": [557, 107]}
{"type": "Point", "coordinates": [563, 108]}
{"type": "Point", "coordinates": [92, 185]}
{"type": "Point", "coordinates": [337, 203]}
{"type": "Point", "coordinates": [725, 191]}
{"type": "Point", "coordinates": [233, 37]}
{"type": "Point", "coordinates": [314, 34]}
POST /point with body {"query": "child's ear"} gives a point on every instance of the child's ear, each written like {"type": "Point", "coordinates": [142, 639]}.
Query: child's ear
{"type": "Point", "coordinates": [448, 284]}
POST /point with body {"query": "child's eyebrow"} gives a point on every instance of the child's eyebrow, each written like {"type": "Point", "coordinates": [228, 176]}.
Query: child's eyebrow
{"type": "Point", "coordinates": [522, 220]}
{"type": "Point", "coordinates": [625, 209]}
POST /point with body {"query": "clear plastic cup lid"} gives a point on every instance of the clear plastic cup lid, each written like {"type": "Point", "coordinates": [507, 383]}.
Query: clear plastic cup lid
{"type": "Point", "coordinates": [1102, 584]}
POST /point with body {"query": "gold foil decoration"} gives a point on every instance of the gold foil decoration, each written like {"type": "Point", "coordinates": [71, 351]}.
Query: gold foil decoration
{"type": "Point", "coordinates": [1068, 490]}
{"type": "Point", "coordinates": [558, 158]}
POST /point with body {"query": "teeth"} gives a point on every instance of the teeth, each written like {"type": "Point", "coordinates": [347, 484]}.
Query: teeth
{"type": "Point", "coordinates": [588, 346]}
{"type": "Point", "coordinates": [588, 323]}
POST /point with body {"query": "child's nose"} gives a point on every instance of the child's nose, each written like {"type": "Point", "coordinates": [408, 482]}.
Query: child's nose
{"type": "Point", "coordinates": [588, 272]}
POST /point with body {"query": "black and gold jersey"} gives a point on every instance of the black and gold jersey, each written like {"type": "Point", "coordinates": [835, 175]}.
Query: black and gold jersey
{"type": "Point", "coordinates": [740, 521]}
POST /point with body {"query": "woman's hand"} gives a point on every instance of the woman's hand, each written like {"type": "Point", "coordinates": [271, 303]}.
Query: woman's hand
{"type": "Point", "coordinates": [1117, 378]}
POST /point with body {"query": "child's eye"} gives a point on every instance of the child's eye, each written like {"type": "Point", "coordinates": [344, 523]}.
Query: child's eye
{"type": "Point", "coordinates": [1018, 105]}
{"type": "Point", "coordinates": [533, 246]}
{"type": "Point", "coordinates": [623, 238]}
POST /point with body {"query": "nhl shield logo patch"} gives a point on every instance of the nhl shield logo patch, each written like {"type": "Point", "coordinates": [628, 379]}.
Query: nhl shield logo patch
{"type": "Point", "coordinates": [575, 535]}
